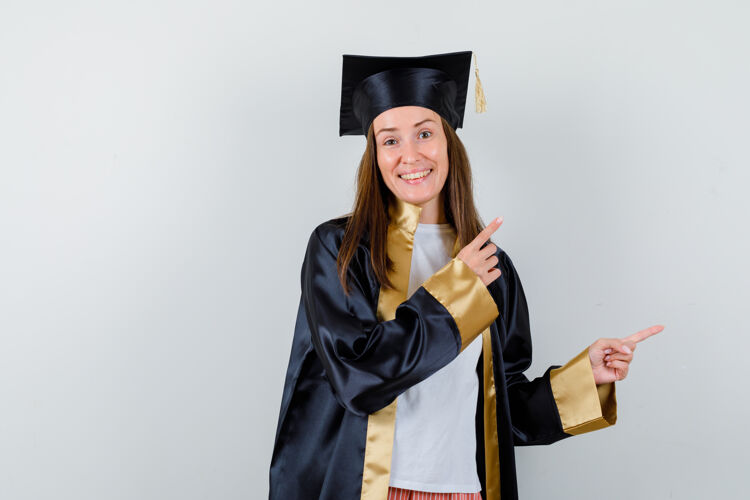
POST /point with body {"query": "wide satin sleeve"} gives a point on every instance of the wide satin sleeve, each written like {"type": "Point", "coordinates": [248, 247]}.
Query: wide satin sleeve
{"type": "Point", "coordinates": [369, 362]}
{"type": "Point", "coordinates": [564, 400]}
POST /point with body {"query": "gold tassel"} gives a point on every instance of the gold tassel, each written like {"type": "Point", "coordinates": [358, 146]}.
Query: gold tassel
{"type": "Point", "coordinates": [479, 101]}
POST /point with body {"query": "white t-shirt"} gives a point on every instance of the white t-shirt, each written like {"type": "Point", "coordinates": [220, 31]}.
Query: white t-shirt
{"type": "Point", "coordinates": [435, 442]}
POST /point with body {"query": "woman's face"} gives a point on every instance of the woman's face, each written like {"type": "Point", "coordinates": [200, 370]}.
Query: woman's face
{"type": "Point", "coordinates": [411, 142]}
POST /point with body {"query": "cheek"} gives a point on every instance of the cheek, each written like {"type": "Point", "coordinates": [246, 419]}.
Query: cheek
{"type": "Point", "coordinates": [440, 156]}
{"type": "Point", "coordinates": [437, 152]}
{"type": "Point", "coordinates": [385, 169]}
{"type": "Point", "coordinates": [386, 162]}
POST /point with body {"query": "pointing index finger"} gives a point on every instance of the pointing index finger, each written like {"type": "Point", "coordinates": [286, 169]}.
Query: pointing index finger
{"type": "Point", "coordinates": [644, 334]}
{"type": "Point", "coordinates": [485, 233]}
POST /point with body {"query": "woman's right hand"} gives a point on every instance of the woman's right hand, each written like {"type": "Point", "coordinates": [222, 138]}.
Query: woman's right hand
{"type": "Point", "coordinates": [481, 260]}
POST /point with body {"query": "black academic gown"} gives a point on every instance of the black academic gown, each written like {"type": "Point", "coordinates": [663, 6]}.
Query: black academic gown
{"type": "Point", "coordinates": [352, 356]}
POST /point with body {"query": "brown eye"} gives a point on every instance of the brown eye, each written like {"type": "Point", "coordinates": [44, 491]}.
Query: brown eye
{"type": "Point", "coordinates": [425, 132]}
{"type": "Point", "coordinates": [386, 142]}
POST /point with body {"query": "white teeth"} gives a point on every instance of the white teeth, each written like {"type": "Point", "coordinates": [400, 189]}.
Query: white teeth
{"type": "Point", "coordinates": [415, 175]}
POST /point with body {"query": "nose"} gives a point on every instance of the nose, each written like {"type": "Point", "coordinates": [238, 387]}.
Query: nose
{"type": "Point", "coordinates": [409, 152]}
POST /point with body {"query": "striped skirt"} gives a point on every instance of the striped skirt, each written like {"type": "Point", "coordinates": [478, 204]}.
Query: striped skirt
{"type": "Point", "coordinates": [404, 494]}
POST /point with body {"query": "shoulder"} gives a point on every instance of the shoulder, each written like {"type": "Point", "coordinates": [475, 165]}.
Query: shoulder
{"type": "Point", "coordinates": [502, 255]}
{"type": "Point", "coordinates": [332, 227]}
{"type": "Point", "coordinates": [509, 275]}
{"type": "Point", "coordinates": [323, 248]}
{"type": "Point", "coordinates": [329, 234]}
{"type": "Point", "coordinates": [504, 258]}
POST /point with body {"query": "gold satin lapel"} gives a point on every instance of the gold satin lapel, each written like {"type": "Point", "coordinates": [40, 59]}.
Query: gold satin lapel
{"type": "Point", "coordinates": [378, 448]}
{"type": "Point", "coordinates": [456, 248]}
{"type": "Point", "coordinates": [491, 447]}
{"type": "Point", "coordinates": [376, 471]}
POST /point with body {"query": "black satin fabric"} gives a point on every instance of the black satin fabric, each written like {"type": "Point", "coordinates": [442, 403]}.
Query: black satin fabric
{"type": "Point", "coordinates": [426, 87]}
{"type": "Point", "coordinates": [345, 364]}
{"type": "Point", "coordinates": [373, 84]}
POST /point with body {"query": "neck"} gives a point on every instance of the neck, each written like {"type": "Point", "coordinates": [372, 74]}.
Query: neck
{"type": "Point", "coordinates": [432, 211]}
{"type": "Point", "coordinates": [406, 216]}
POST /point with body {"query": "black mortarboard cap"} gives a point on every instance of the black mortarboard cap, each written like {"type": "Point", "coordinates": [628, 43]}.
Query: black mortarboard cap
{"type": "Point", "coordinates": [373, 84]}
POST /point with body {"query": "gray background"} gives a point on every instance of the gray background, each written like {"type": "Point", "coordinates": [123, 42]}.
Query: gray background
{"type": "Point", "coordinates": [163, 164]}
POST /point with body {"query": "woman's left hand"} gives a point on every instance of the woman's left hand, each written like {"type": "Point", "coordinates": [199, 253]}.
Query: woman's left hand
{"type": "Point", "coordinates": [610, 358]}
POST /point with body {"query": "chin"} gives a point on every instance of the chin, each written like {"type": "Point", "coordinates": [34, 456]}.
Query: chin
{"type": "Point", "coordinates": [416, 195]}
{"type": "Point", "coordinates": [416, 199]}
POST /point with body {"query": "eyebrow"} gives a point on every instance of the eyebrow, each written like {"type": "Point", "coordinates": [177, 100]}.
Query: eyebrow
{"type": "Point", "coordinates": [395, 128]}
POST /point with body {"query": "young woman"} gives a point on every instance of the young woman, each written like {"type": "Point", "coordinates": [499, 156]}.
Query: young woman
{"type": "Point", "coordinates": [405, 379]}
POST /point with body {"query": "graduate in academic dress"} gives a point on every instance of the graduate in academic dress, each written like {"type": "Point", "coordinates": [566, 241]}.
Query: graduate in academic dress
{"type": "Point", "coordinates": [365, 338]}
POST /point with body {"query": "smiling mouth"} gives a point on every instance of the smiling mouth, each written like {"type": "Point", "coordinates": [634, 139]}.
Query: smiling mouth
{"type": "Point", "coordinates": [416, 175]}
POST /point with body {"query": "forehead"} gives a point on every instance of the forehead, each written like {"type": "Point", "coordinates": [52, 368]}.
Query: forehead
{"type": "Point", "coordinates": [404, 116]}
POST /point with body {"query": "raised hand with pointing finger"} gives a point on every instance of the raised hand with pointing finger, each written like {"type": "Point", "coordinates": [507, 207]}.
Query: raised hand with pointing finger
{"type": "Point", "coordinates": [610, 358]}
{"type": "Point", "coordinates": [481, 260]}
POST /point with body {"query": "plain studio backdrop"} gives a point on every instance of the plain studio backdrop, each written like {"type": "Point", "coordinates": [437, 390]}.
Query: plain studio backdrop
{"type": "Point", "coordinates": [162, 166]}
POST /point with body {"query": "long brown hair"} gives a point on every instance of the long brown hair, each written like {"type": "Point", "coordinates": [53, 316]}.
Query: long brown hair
{"type": "Point", "coordinates": [370, 212]}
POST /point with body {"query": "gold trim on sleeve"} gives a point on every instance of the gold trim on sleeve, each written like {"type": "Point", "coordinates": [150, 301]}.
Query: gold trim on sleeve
{"type": "Point", "coordinates": [583, 407]}
{"type": "Point", "coordinates": [458, 288]}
